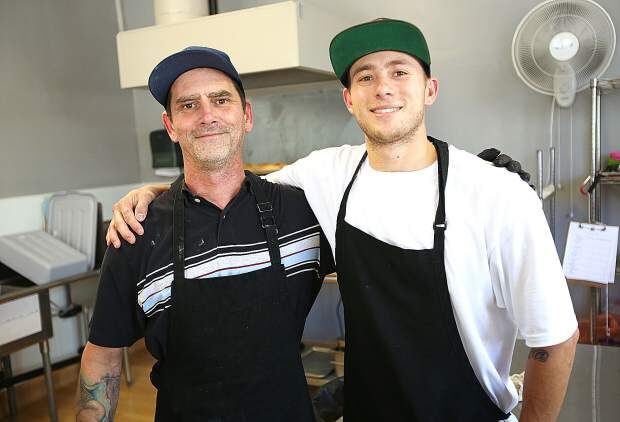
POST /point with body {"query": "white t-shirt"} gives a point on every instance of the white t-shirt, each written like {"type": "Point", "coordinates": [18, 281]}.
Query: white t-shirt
{"type": "Point", "coordinates": [502, 268]}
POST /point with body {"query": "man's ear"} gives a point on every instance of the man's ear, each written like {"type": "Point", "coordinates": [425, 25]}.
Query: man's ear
{"type": "Point", "coordinates": [169, 126]}
{"type": "Point", "coordinates": [346, 97]}
{"type": "Point", "coordinates": [249, 116]}
{"type": "Point", "coordinates": [431, 90]}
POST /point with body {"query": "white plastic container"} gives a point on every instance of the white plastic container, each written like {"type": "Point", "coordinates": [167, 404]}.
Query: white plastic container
{"type": "Point", "coordinates": [40, 257]}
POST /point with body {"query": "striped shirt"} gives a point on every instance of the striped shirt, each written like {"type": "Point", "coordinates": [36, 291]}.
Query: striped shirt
{"type": "Point", "coordinates": [134, 291]}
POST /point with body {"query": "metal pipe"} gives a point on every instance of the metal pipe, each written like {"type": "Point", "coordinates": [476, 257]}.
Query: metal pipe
{"type": "Point", "coordinates": [607, 327]}
{"type": "Point", "coordinates": [12, 398]}
{"type": "Point", "coordinates": [597, 192]}
{"type": "Point", "coordinates": [552, 199]}
{"type": "Point", "coordinates": [539, 181]}
{"type": "Point", "coordinates": [601, 294]}
{"type": "Point", "coordinates": [594, 88]}
{"type": "Point", "coordinates": [127, 366]}
{"type": "Point", "coordinates": [592, 201]}
{"type": "Point", "coordinates": [120, 20]}
{"type": "Point", "coordinates": [84, 319]}
{"type": "Point", "coordinates": [49, 382]}
{"type": "Point", "coordinates": [213, 7]}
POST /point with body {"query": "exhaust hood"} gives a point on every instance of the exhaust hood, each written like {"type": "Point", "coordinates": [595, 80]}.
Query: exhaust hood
{"type": "Point", "coordinates": [278, 44]}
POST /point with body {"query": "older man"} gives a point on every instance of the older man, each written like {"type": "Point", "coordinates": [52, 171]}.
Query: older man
{"type": "Point", "coordinates": [222, 282]}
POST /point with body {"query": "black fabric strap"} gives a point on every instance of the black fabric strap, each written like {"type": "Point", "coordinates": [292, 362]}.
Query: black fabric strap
{"type": "Point", "coordinates": [265, 214]}
{"type": "Point", "coordinates": [439, 226]}
{"type": "Point", "coordinates": [178, 230]}
{"type": "Point", "coordinates": [343, 203]}
{"type": "Point", "coordinates": [266, 217]}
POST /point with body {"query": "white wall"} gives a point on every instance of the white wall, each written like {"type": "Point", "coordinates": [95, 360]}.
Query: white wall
{"type": "Point", "coordinates": [65, 122]}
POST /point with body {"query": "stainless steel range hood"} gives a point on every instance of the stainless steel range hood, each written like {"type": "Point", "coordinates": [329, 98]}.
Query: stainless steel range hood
{"type": "Point", "coordinates": [278, 44]}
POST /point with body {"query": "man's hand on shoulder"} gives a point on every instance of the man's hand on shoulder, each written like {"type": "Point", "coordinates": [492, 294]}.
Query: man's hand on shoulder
{"type": "Point", "coordinates": [498, 159]}
{"type": "Point", "coordinates": [129, 211]}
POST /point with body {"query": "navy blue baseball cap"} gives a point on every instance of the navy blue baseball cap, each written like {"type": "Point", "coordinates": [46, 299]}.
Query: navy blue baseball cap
{"type": "Point", "coordinates": [169, 69]}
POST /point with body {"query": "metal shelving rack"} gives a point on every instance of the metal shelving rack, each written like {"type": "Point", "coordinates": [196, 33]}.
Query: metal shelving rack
{"type": "Point", "coordinates": [600, 294]}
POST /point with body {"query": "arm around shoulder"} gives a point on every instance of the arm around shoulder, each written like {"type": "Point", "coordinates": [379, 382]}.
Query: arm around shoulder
{"type": "Point", "coordinates": [129, 211]}
{"type": "Point", "coordinates": [291, 174]}
{"type": "Point", "coordinates": [318, 165]}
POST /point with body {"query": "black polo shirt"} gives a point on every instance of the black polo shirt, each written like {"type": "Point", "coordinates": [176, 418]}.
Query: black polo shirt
{"type": "Point", "coordinates": [133, 298]}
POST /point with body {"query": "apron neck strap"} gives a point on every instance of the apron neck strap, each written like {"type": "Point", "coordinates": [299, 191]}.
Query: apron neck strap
{"type": "Point", "coordinates": [265, 214]}
{"type": "Point", "coordinates": [439, 225]}
{"type": "Point", "coordinates": [266, 217]}
{"type": "Point", "coordinates": [343, 203]}
{"type": "Point", "coordinates": [178, 229]}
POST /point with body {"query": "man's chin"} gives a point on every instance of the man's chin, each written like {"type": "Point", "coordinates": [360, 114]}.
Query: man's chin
{"type": "Point", "coordinates": [382, 138]}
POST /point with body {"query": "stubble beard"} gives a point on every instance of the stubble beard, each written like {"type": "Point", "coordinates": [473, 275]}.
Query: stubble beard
{"type": "Point", "coordinates": [214, 154]}
{"type": "Point", "coordinates": [400, 135]}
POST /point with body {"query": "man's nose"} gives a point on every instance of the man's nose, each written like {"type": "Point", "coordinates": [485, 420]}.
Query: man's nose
{"type": "Point", "coordinates": [384, 86]}
{"type": "Point", "coordinates": [207, 115]}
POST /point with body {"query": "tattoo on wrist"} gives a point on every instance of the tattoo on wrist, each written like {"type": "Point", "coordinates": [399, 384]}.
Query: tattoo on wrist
{"type": "Point", "coordinates": [97, 401]}
{"type": "Point", "coordinates": [541, 355]}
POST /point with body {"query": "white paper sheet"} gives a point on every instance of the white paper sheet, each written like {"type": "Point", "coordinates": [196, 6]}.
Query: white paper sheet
{"type": "Point", "coordinates": [590, 252]}
{"type": "Point", "coordinates": [19, 318]}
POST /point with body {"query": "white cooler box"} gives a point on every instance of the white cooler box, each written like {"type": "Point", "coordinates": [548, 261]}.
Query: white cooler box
{"type": "Point", "coordinates": [40, 257]}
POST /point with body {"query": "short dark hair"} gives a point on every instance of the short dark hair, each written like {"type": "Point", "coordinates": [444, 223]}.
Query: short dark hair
{"type": "Point", "coordinates": [427, 71]}
{"type": "Point", "coordinates": [238, 88]}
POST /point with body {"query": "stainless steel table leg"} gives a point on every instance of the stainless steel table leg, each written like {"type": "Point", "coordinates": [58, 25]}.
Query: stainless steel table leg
{"type": "Point", "coordinates": [47, 369]}
{"type": "Point", "coordinates": [8, 373]}
{"type": "Point", "coordinates": [83, 319]}
{"type": "Point", "coordinates": [128, 377]}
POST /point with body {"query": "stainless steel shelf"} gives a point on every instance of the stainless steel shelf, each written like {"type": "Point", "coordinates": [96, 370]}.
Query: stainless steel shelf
{"type": "Point", "coordinates": [610, 178]}
{"type": "Point", "coordinates": [608, 84]}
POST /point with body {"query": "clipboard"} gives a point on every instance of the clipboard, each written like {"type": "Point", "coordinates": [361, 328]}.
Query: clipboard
{"type": "Point", "coordinates": [590, 253]}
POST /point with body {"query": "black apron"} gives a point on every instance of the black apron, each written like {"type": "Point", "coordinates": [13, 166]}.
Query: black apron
{"type": "Point", "coordinates": [404, 359]}
{"type": "Point", "coordinates": [233, 342]}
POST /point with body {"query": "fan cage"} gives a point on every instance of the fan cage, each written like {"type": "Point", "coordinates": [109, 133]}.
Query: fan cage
{"type": "Point", "coordinates": [586, 19]}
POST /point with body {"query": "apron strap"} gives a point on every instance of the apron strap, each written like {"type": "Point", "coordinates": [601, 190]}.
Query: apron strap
{"type": "Point", "coordinates": [343, 203]}
{"type": "Point", "coordinates": [439, 226]}
{"type": "Point", "coordinates": [266, 217]}
{"type": "Point", "coordinates": [178, 231]}
{"type": "Point", "coordinates": [265, 213]}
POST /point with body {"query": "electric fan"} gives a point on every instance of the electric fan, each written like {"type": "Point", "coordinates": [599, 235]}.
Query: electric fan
{"type": "Point", "coordinates": [561, 44]}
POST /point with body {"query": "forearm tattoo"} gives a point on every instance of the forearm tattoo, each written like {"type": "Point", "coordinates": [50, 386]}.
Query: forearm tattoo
{"type": "Point", "coordinates": [540, 355]}
{"type": "Point", "coordinates": [97, 401]}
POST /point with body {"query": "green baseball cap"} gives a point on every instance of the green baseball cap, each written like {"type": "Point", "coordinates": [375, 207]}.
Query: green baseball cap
{"type": "Point", "coordinates": [377, 35]}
